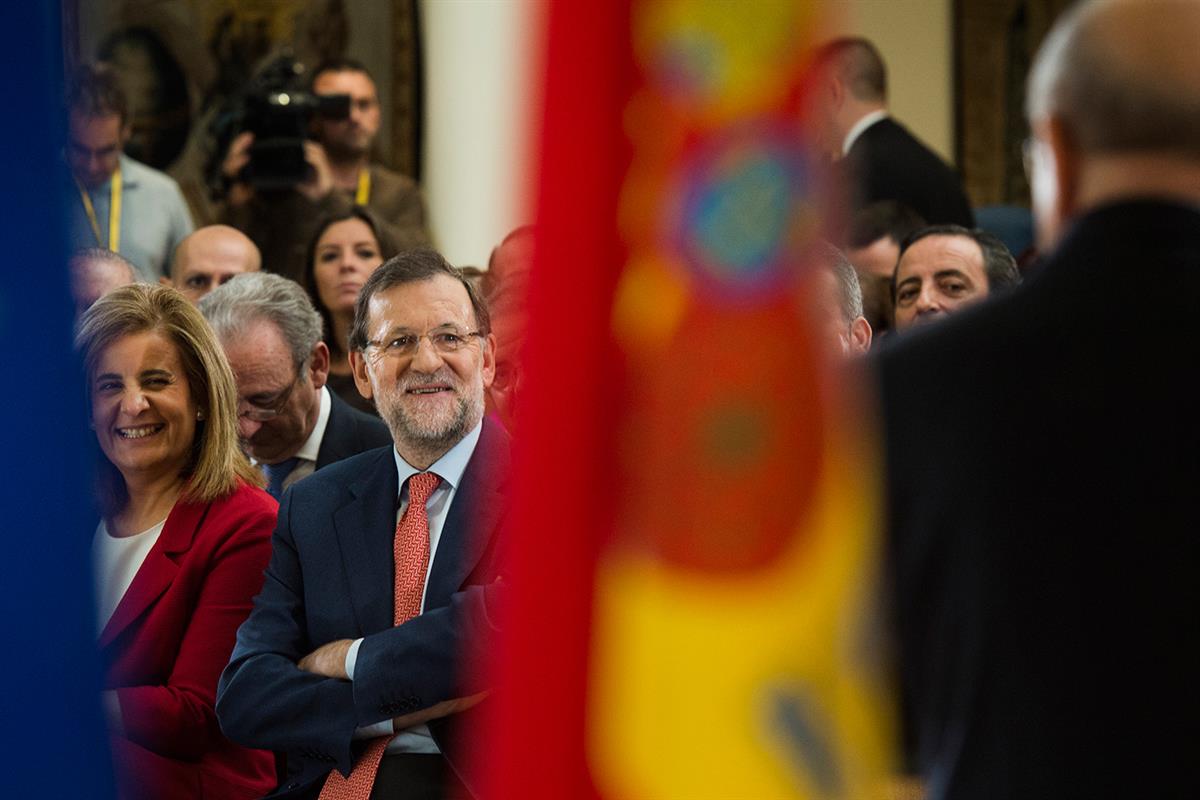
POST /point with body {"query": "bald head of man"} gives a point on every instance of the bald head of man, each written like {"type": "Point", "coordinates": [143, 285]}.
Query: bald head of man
{"type": "Point", "coordinates": [209, 257]}
{"type": "Point", "coordinates": [96, 272]}
{"type": "Point", "coordinates": [1114, 107]}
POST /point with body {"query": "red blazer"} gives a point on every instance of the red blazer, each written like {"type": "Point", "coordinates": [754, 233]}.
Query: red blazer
{"type": "Point", "coordinates": [167, 642]}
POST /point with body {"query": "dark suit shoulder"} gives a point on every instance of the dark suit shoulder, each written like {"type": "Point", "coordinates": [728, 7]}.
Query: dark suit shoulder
{"type": "Point", "coordinates": [889, 163]}
{"type": "Point", "coordinates": [493, 453]}
{"type": "Point", "coordinates": [349, 432]}
{"type": "Point", "coordinates": [889, 141]}
{"type": "Point", "coordinates": [925, 359]}
{"type": "Point", "coordinates": [348, 470]}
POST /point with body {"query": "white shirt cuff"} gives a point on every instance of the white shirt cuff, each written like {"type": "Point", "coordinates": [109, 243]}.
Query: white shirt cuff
{"type": "Point", "coordinates": [352, 658]}
{"type": "Point", "coordinates": [367, 731]}
{"type": "Point", "coordinates": [374, 731]}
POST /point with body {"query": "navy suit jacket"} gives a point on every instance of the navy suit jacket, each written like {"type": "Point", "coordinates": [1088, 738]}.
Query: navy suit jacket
{"type": "Point", "coordinates": [886, 162]}
{"type": "Point", "coordinates": [331, 577]}
{"type": "Point", "coordinates": [349, 432]}
{"type": "Point", "coordinates": [1043, 475]}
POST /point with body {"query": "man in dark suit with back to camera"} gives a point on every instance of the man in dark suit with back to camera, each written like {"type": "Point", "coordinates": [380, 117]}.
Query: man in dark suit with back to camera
{"type": "Point", "coordinates": [288, 420]}
{"type": "Point", "coordinates": [1042, 449]}
{"type": "Point", "coordinates": [878, 159]}
{"type": "Point", "coordinates": [361, 657]}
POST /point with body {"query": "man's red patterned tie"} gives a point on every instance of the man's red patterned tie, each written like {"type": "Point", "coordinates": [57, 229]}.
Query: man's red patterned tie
{"type": "Point", "coordinates": [410, 549]}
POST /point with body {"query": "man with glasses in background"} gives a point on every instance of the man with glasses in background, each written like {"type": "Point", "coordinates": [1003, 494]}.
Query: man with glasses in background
{"type": "Point", "coordinates": [289, 422]}
{"type": "Point", "coordinates": [389, 564]}
{"type": "Point", "coordinates": [118, 204]}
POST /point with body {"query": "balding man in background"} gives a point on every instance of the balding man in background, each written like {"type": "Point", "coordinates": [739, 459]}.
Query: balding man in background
{"type": "Point", "coordinates": [94, 273]}
{"type": "Point", "coordinates": [1042, 449]}
{"type": "Point", "coordinates": [878, 158]}
{"type": "Point", "coordinates": [209, 257]}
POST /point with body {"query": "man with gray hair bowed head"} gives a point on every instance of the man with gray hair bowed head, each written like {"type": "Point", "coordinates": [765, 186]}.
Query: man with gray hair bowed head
{"type": "Point", "coordinates": [837, 303]}
{"type": "Point", "coordinates": [288, 421]}
{"type": "Point", "coordinates": [1042, 449]}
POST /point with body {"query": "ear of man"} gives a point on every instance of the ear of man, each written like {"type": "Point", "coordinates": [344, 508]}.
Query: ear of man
{"type": "Point", "coordinates": [358, 366]}
{"type": "Point", "coordinates": [489, 360]}
{"type": "Point", "coordinates": [860, 335]}
{"type": "Point", "coordinates": [318, 365]}
{"type": "Point", "coordinates": [1055, 179]}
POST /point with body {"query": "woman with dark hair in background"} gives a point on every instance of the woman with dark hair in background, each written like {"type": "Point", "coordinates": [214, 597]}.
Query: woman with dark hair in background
{"type": "Point", "coordinates": [181, 547]}
{"type": "Point", "coordinates": [344, 252]}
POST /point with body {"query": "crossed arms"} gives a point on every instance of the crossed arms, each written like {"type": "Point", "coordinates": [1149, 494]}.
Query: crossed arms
{"type": "Point", "coordinates": [285, 686]}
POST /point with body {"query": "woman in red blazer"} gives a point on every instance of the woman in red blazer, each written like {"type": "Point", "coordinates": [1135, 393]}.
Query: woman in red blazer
{"type": "Point", "coordinates": [182, 547]}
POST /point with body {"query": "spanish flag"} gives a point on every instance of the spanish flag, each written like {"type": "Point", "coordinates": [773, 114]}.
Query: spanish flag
{"type": "Point", "coordinates": [694, 599]}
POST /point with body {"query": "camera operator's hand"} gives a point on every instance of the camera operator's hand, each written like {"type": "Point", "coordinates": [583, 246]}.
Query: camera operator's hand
{"type": "Point", "coordinates": [320, 183]}
{"type": "Point", "coordinates": [235, 161]}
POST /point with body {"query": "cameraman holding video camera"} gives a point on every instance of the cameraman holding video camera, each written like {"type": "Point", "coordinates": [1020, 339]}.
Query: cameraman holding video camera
{"type": "Point", "coordinates": [280, 189]}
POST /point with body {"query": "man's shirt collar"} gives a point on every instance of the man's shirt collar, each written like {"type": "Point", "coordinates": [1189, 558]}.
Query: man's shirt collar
{"type": "Point", "coordinates": [312, 445]}
{"type": "Point", "coordinates": [450, 467]}
{"type": "Point", "coordinates": [865, 122]}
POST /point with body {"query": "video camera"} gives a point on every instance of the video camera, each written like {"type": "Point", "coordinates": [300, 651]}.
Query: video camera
{"type": "Point", "coordinates": [279, 111]}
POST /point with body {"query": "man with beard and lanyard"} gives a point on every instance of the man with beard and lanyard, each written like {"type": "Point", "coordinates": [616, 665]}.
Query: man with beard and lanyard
{"type": "Point", "coordinates": [387, 563]}
{"type": "Point", "coordinates": [341, 175]}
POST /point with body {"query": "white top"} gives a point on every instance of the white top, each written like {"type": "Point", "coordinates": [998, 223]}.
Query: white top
{"type": "Point", "coordinates": [312, 445]}
{"type": "Point", "coordinates": [866, 121]}
{"type": "Point", "coordinates": [450, 468]}
{"type": "Point", "coordinates": [115, 560]}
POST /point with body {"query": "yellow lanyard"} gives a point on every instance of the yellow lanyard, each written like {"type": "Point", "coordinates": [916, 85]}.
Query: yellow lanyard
{"type": "Point", "coordinates": [363, 193]}
{"type": "Point", "coordinates": [114, 212]}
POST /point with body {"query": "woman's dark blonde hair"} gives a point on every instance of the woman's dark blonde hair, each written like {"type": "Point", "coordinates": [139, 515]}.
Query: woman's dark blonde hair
{"type": "Point", "coordinates": [217, 463]}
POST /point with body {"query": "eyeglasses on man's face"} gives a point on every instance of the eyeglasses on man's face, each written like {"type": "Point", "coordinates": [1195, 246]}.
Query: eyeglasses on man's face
{"type": "Point", "coordinates": [248, 409]}
{"type": "Point", "coordinates": [445, 341]}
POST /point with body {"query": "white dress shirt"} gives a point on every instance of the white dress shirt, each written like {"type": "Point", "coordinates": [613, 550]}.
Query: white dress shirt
{"type": "Point", "coordinates": [311, 448]}
{"type": "Point", "coordinates": [312, 445]}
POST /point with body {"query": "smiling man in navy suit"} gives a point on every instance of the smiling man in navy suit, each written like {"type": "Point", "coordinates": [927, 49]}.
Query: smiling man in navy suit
{"type": "Point", "coordinates": [360, 657]}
